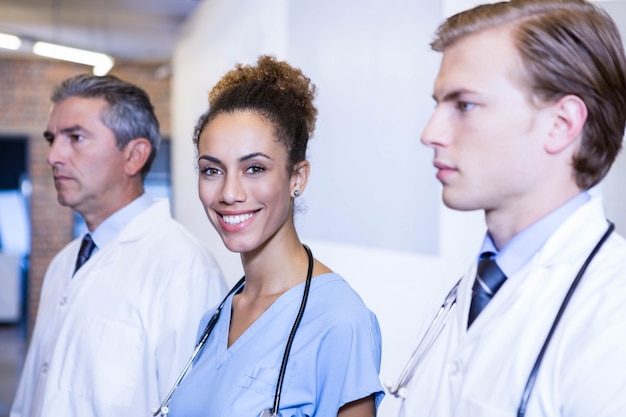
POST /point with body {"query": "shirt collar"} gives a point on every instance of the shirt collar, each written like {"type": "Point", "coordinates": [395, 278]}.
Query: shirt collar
{"type": "Point", "coordinates": [518, 251]}
{"type": "Point", "coordinates": [113, 225]}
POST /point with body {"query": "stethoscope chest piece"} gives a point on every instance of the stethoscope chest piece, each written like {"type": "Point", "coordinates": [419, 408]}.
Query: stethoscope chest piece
{"type": "Point", "coordinates": [270, 413]}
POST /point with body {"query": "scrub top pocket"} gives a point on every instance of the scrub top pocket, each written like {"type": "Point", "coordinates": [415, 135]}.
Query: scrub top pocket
{"type": "Point", "coordinates": [263, 381]}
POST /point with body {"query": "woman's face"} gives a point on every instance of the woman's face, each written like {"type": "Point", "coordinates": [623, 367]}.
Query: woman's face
{"type": "Point", "coordinates": [243, 181]}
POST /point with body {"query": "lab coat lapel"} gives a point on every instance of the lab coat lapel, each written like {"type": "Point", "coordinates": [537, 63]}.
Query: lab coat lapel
{"type": "Point", "coordinates": [138, 228]}
{"type": "Point", "coordinates": [567, 247]}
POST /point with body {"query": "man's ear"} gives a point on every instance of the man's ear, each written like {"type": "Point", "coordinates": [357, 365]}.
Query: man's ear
{"type": "Point", "coordinates": [571, 115]}
{"type": "Point", "coordinates": [300, 177]}
{"type": "Point", "coordinates": [136, 152]}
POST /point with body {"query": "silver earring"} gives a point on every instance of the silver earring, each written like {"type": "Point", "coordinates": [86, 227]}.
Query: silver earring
{"type": "Point", "coordinates": [296, 193]}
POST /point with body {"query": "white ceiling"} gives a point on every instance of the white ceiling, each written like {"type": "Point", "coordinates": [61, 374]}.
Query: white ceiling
{"type": "Point", "coordinates": [126, 29]}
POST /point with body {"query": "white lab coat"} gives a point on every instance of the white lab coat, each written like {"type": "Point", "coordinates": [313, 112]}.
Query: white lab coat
{"type": "Point", "coordinates": [482, 372]}
{"type": "Point", "coordinates": [111, 340]}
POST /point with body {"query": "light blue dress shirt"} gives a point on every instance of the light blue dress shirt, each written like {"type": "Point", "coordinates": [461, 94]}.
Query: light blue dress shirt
{"type": "Point", "coordinates": [519, 250]}
{"type": "Point", "coordinates": [113, 225]}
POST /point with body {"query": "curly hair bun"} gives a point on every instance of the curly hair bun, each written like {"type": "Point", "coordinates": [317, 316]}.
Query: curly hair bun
{"type": "Point", "coordinates": [273, 75]}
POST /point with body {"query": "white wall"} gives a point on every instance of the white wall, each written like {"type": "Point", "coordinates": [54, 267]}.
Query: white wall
{"type": "Point", "coordinates": [374, 70]}
{"type": "Point", "coordinates": [365, 58]}
{"type": "Point", "coordinates": [451, 7]}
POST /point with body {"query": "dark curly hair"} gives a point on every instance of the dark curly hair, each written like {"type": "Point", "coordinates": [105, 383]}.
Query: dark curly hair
{"type": "Point", "coordinates": [280, 93]}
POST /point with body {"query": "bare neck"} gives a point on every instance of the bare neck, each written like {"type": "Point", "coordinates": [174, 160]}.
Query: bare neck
{"type": "Point", "coordinates": [505, 225]}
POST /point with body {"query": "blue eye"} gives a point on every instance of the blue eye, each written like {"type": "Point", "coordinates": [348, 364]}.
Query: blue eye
{"type": "Point", "coordinates": [464, 106]}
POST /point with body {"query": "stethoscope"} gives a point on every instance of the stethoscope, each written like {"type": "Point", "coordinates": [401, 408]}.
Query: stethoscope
{"type": "Point", "coordinates": [163, 409]}
{"type": "Point", "coordinates": [399, 389]}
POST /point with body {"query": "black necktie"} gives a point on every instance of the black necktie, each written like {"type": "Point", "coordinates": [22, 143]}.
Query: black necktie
{"type": "Point", "coordinates": [86, 249]}
{"type": "Point", "coordinates": [489, 279]}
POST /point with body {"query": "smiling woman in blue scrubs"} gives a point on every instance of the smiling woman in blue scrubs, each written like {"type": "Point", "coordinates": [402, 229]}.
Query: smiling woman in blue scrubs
{"type": "Point", "coordinates": [251, 147]}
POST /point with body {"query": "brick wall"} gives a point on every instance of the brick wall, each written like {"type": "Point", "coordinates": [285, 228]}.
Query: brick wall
{"type": "Point", "coordinates": [25, 87]}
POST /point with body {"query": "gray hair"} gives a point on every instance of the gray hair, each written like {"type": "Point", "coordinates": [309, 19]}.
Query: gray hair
{"type": "Point", "coordinates": [129, 114]}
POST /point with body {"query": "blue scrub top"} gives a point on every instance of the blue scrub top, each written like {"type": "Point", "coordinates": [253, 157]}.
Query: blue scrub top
{"type": "Point", "coordinates": [334, 360]}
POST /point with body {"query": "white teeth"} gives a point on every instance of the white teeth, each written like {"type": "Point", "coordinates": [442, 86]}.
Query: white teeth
{"type": "Point", "coordinates": [237, 219]}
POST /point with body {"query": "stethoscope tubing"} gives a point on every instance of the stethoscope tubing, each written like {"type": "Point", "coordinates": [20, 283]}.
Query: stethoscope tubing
{"type": "Point", "coordinates": [530, 383]}
{"type": "Point", "coordinates": [163, 408]}
{"type": "Point", "coordinates": [292, 334]}
{"type": "Point", "coordinates": [435, 328]}
{"type": "Point", "coordinates": [399, 389]}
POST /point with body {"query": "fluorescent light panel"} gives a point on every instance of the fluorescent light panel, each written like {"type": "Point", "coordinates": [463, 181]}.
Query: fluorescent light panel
{"type": "Point", "coordinates": [9, 41]}
{"type": "Point", "coordinates": [101, 63]}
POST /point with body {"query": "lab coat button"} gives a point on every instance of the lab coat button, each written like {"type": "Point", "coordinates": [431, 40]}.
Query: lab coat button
{"type": "Point", "coordinates": [63, 301]}
{"type": "Point", "coordinates": [454, 368]}
{"type": "Point", "coordinates": [44, 368]}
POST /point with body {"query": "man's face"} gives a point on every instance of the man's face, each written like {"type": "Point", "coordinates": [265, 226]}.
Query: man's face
{"type": "Point", "coordinates": [486, 133]}
{"type": "Point", "coordinates": [88, 167]}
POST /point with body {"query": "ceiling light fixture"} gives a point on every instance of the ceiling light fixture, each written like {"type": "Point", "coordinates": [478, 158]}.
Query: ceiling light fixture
{"type": "Point", "coordinates": [101, 63]}
{"type": "Point", "coordinates": [10, 41]}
